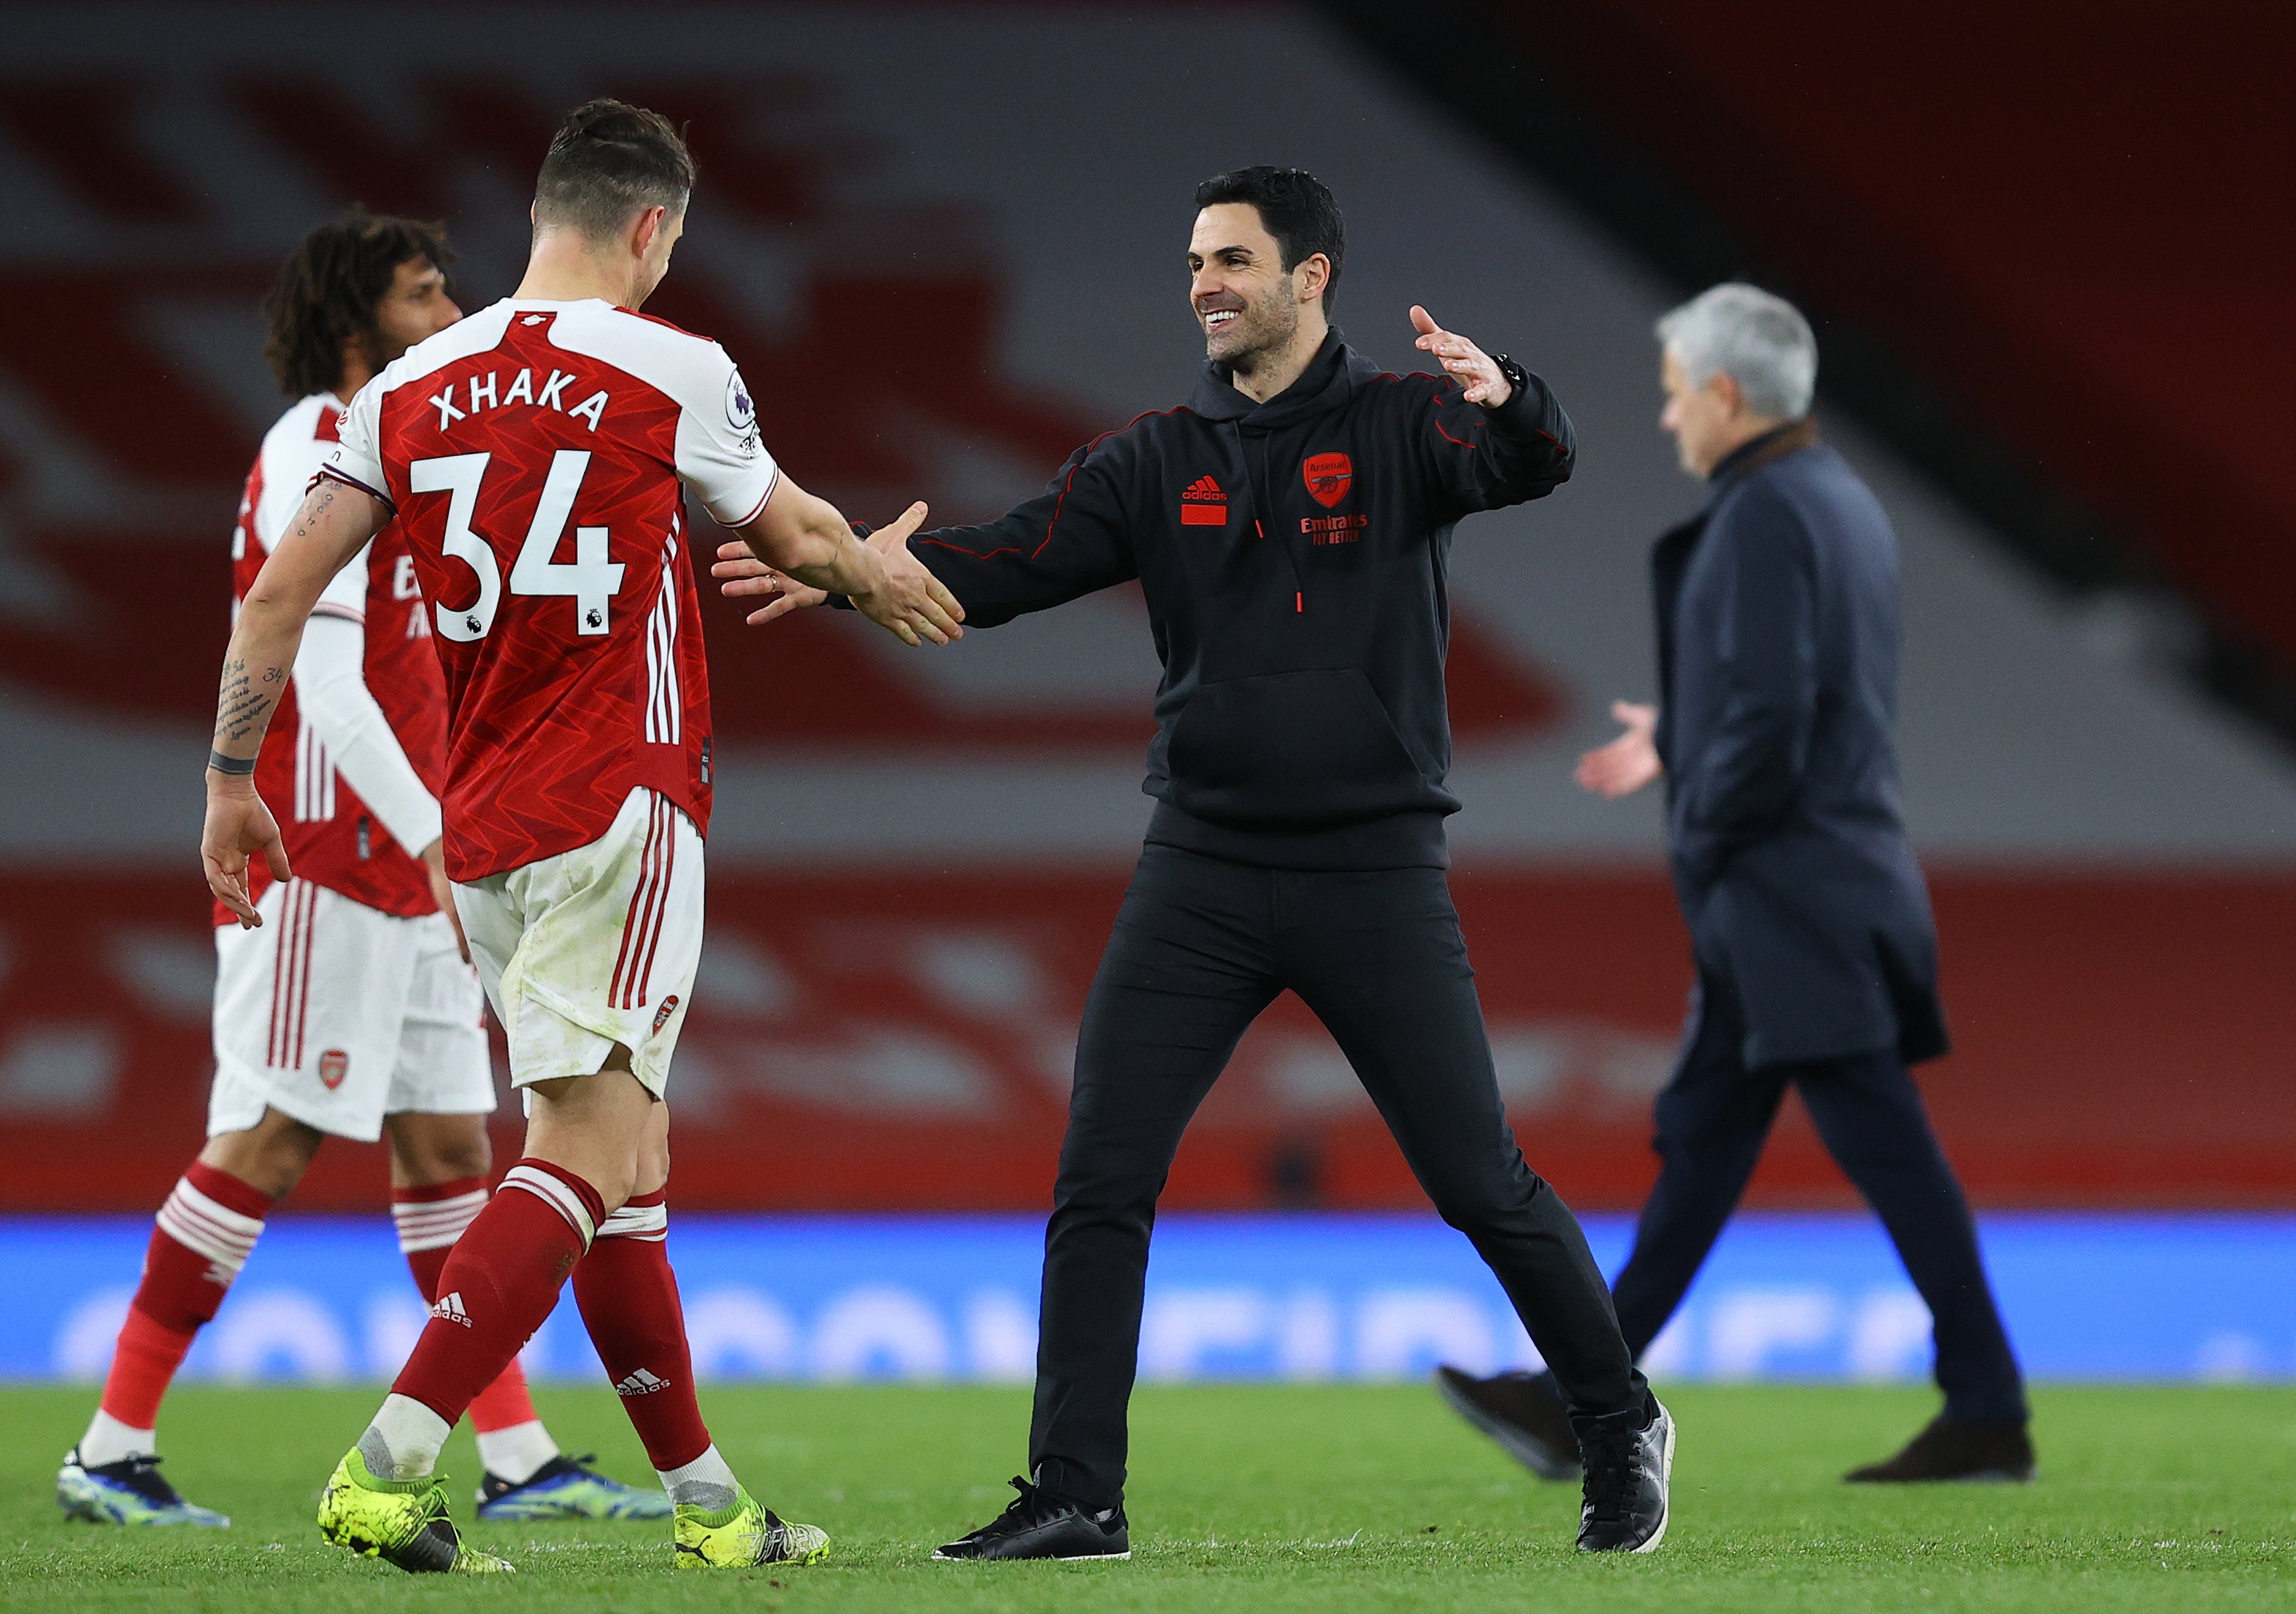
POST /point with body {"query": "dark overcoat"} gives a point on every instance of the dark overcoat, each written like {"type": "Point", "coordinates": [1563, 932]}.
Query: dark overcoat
{"type": "Point", "coordinates": [1778, 630]}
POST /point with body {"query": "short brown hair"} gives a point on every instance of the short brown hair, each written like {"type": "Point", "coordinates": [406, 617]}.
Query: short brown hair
{"type": "Point", "coordinates": [609, 162]}
{"type": "Point", "coordinates": [329, 289]}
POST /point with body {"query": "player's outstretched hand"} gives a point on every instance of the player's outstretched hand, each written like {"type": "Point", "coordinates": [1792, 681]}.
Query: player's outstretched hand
{"type": "Point", "coordinates": [1474, 369]}
{"type": "Point", "coordinates": [442, 892]}
{"type": "Point", "coordinates": [912, 604]}
{"type": "Point", "coordinates": [239, 828]}
{"type": "Point", "coordinates": [1627, 763]}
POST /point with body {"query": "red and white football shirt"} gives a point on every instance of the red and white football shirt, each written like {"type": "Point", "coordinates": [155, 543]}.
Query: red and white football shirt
{"type": "Point", "coordinates": [332, 838]}
{"type": "Point", "coordinates": [535, 453]}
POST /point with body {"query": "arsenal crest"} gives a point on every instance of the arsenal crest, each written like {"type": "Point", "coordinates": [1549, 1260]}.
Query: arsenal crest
{"type": "Point", "coordinates": [334, 1065]}
{"type": "Point", "coordinates": [662, 1015]}
{"type": "Point", "coordinates": [1328, 476]}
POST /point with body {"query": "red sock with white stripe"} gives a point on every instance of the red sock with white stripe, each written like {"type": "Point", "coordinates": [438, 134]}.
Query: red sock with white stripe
{"type": "Point", "coordinates": [629, 1297]}
{"type": "Point", "coordinates": [512, 1443]}
{"type": "Point", "coordinates": [499, 1282]}
{"type": "Point", "coordinates": [202, 1238]}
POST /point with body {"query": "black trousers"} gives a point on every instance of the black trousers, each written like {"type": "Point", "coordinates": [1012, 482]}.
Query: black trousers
{"type": "Point", "coordinates": [1712, 1120]}
{"type": "Point", "coordinates": [1200, 946]}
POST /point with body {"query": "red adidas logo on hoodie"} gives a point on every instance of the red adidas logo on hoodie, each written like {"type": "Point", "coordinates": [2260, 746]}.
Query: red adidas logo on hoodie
{"type": "Point", "coordinates": [1202, 503]}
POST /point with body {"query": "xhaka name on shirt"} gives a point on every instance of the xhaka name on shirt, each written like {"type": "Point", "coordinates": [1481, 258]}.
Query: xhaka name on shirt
{"type": "Point", "coordinates": [521, 390]}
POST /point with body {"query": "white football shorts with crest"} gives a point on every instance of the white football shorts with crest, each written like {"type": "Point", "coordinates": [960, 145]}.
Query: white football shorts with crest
{"type": "Point", "coordinates": [594, 946]}
{"type": "Point", "coordinates": [339, 1014]}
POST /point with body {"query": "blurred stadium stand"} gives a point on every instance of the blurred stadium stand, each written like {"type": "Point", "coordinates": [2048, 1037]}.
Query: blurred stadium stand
{"type": "Point", "coordinates": [944, 244]}
{"type": "Point", "coordinates": [2033, 236]}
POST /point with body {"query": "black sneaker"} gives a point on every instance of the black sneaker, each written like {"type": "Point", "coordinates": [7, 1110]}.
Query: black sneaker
{"type": "Point", "coordinates": [1626, 1474]}
{"type": "Point", "coordinates": [1965, 1451]}
{"type": "Point", "coordinates": [1519, 1411]}
{"type": "Point", "coordinates": [1041, 1525]}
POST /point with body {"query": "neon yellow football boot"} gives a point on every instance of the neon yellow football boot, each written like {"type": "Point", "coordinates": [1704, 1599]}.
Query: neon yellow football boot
{"type": "Point", "coordinates": [403, 1522]}
{"type": "Point", "coordinates": [746, 1534]}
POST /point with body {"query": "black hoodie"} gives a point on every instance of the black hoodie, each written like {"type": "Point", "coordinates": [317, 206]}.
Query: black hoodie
{"type": "Point", "coordinates": [1293, 554]}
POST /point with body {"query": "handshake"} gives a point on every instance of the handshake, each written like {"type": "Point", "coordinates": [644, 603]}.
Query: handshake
{"type": "Point", "coordinates": [799, 550]}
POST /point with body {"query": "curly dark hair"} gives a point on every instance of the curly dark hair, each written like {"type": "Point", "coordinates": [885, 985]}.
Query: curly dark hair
{"type": "Point", "coordinates": [328, 290]}
{"type": "Point", "coordinates": [609, 162]}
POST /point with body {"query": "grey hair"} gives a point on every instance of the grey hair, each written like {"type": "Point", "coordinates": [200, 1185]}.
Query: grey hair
{"type": "Point", "coordinates": [1759, 340]}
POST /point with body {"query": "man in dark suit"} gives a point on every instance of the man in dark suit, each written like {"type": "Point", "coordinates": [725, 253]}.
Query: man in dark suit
{"type": "Point", "coordinates": [1816, 956]}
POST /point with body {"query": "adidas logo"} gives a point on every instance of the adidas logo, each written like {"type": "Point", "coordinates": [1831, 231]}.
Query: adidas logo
{"type": "Point", "coordinates": [449, 1309]}
{"type": "Point", "coordinates": [1202, 503]}
{"type": "Point", "coordinates": [642, 1383]}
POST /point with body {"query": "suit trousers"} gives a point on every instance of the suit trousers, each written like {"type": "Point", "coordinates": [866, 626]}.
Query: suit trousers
{"type": "Point", "coordinates": [1199, 948]}
{"type": "Point", "coordinates": [1713, 1118]}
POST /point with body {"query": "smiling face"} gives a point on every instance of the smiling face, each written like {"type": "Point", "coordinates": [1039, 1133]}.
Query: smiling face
{"type": "Point", "coordinates": [1247, 302]}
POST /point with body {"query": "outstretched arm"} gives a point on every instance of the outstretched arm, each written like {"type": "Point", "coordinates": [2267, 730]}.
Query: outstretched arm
{"type": "Point", "coordinates": [805, 539]}
{"type": "Point", "coordinates": [1069, 540]}
{"type": "Point", "coordinates": [1491, 443]}
{"type": "Point", "coordinates": [335, 522]}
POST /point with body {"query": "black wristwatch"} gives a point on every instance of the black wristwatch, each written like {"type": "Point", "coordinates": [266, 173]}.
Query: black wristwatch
{"type": "Point", "coordinates": [1517, 377]}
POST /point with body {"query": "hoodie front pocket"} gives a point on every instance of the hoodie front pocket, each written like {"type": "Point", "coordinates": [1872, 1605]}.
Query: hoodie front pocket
{"type": "Point", "coordinates": [1307, 749]}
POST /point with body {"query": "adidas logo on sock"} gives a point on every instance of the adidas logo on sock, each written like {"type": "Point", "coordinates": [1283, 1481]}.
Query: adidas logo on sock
{"type": "Point", "coordinates": [449, 1309]}
{"type": "Point", "coordinates": [642, 1383]}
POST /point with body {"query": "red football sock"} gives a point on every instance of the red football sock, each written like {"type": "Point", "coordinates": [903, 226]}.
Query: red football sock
{"type": "Point", "coordinates": [430, 1219]}
{"type": "Point", "coordinates": [504, 1403]}
{"type": "Point", "coordinates": [202, 1238]}
{"type": "Point", "coordinates": [499, 1282]}
{"type": "Point", "coordinates": [629, 1297]}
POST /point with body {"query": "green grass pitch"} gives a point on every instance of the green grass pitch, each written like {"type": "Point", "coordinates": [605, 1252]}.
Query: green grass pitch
{"type": "Point", "coordinates": [1242, 1498]}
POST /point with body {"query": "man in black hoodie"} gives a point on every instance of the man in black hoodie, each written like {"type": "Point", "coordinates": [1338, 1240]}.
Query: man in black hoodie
{"type": "Point", "coordinates": [1289, 526]}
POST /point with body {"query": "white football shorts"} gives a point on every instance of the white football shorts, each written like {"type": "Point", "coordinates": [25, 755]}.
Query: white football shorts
{"type": "Point", "coordinates": [339, 1014]}
{"type": "Point", "coordinates": [594, 946]}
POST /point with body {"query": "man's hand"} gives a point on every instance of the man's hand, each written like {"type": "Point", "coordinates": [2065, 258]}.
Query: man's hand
{"type": "Point", "coordinates": [239, 827]}
{"type": "Point", "coordinates": [740, 575]}
{"type": "Point", "coordinates": [442, 892]}
{"type": "Point", "coordinates": [1627, 763]}
{"type": "Point", "coordinates": [1473, 368]}
{"type": "Point", "coordinates": [911, 603]}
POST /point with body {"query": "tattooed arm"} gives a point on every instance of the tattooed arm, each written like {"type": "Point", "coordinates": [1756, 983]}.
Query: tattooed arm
{"type": "Point", "coordinates": [336, 521]}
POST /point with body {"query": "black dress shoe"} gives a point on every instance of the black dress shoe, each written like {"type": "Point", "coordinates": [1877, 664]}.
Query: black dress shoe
{"type": "Point", "coordinates": [1968, 1450]}
{"type": "Point", "coordinates": [1519, 1411]}
{"type": "Point", "coordinates": [1627, 1469]}
{"type": "Point", "coordinates": [1041, 1524]}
